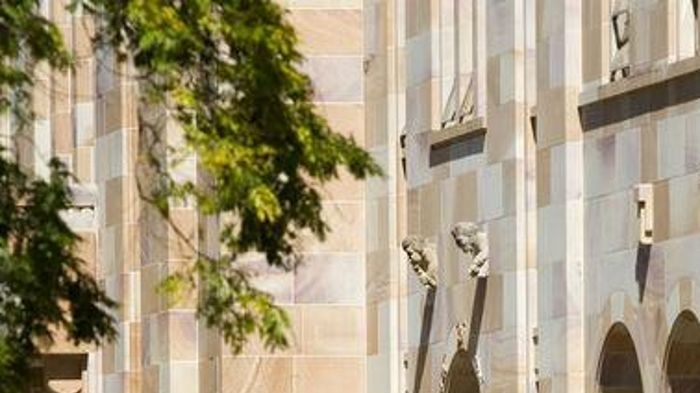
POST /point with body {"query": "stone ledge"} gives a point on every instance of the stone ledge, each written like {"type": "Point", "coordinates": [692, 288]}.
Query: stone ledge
{"type": "Point", "coordinates": [659, 73]}
{"type": "Point", "coordinates": [83, 195]}
{"type": "Point", "coordinates": [458, 141]}
{"type": "Point", "coordinates": [445, 136]}
{"type": "Point", "coordinates": [661, 88]}
{"type": "Point", "coordinates": [81, 215]}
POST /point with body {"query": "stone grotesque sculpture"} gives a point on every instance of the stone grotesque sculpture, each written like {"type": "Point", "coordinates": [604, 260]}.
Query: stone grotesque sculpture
{"type": "Point", "coordinates": [473, 242]}
{"type": "Point", "coordinates": [422, 262]}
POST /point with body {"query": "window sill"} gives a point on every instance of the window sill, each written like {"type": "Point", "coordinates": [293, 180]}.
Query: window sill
{"type": "Point", "coordinates": [447, 135]}
{"type": "Point", "coordinates": [457, 141]}
{"type": "Point", "coordinates": [661, 87]}
{"type": "Point", "coordinates": [639, 80]}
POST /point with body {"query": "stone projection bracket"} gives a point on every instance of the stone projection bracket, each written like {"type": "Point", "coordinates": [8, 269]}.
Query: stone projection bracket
{"type": "Point", "coordinates": [644, 196]}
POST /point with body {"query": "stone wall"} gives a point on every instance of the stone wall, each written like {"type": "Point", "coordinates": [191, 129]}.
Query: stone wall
{"type": "Point", "coordinates": [558, 127]}
{"type": "Point", "coordinates": [608, 90]}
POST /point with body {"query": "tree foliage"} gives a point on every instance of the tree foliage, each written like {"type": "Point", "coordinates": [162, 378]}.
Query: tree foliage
{"type": "Point", "coordinates": [27, 39]}
{"type": "Point", "coordinates": [229, 73]}
{"type": "Point", "coordinates": [44, 286]}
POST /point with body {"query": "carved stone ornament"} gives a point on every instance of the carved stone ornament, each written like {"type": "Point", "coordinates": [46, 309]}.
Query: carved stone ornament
{"type": "Point", "coordinates": [644, 195]}
{"type": "Point", "coordinates": [620, 23]}
{"type": "Point", "coordinates": [422, 261]}
{"type": "Point", "coordinates": [476, 363]}
{"type": "Point", "coordinates": [474, 242]}
{"type": "Point", "coordinates": [460, 335]}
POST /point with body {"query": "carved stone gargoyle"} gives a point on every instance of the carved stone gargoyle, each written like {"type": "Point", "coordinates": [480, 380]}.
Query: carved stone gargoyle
{"type": "Point", "coordinates": [474, 242]}
{"type": "Point", "coordinates": [421, 260]}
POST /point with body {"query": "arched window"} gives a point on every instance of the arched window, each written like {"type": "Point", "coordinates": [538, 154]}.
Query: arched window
{"type": "Point", "coordinates": [618, 368]}
{"type": "Point", "coordinates": [461, 376]}
{"type": "Point", "coordinates": [683, 354]}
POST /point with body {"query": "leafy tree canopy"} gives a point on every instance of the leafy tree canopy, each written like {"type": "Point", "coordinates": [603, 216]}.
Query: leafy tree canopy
{"type": "Point", "coordinates": [228, 72]}
{"type": "Point", "coordinates": [44, 286]}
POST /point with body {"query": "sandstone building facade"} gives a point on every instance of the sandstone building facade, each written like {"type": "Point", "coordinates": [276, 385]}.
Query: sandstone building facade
{"type": "Point", "coordinates": [543, 177]}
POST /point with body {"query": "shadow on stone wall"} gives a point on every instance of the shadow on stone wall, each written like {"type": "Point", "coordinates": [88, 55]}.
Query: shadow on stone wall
{"type": "Point", "coordinates": [462, 378]}
{"type": "Point", "coordinates": [642, 268]}
{"type": "Point", "coordinates": [477, 315]}
{"type": "Point", "coordinates": [670, 92]}
{"type": "Point", "coordinates": [468, 352]}
{"type": "Point", "coordinates": [618, 367]}
{"type": "Point", "coordinates": [426, 327]}
{"type": "Point", "coordinates": [683, 355]}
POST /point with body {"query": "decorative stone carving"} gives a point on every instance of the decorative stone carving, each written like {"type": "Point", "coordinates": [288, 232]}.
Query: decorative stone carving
{"type": "Point", "coordinates": [473, 242]}
{"type": "Point", "coordinates": [444, 373]}
{"type": "Point", "coordinates": [536, 370]}
{"type": "Point", "coordinates": [467, 110]}
{"type": "Point", "coordinates": [461, 337]}
{"type": "Point", "coordinates": [476, 363]}
{"type": "Point", "coordinates": [620, 22]}
{"type": "Point", "coordinates": [422, 261]}
{"type": "Point", "coordinates": [645, 212]}
{"type": "Point", "coordinates": [459, 110]}
{"type": "Point", "coordinates": [81, 215]}
{"type": "Point", "coordinates": [461, 334]}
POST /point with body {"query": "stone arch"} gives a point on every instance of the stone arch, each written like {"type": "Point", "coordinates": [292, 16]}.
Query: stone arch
{"type": "Point", "coordinates": [461, 365]}
{"type": "Point", "coordinates": [618, 366]}
{"type": "Point", "coordinates": [682, 362]}
{"type": "Point", "coordinates": [461, 376]}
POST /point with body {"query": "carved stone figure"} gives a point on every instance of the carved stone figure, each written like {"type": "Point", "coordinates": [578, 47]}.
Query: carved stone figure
{"type": "Point", "coordinates": [473, 242]}
{"type": "Point", "coordinates": [462, 336]}
{"type": "Point", "coordinates": [422, 262]}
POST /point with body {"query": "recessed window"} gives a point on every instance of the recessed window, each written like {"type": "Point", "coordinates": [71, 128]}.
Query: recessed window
{"type": "Point", "coordinates": [460, 104]}
{"type": "Point", "coordinates": [619, 60]}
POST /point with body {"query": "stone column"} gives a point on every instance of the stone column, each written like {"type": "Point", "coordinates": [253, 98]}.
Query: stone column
{"type": "Point", "coordinates": [118, 228]}
{"type": "Point", "coordinates": [560, 267]}
{"type": "Point", "coordinates": [503, 185]}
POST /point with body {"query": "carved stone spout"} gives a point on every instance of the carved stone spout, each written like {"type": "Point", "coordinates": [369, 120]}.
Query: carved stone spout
{"type": "Point", "coordinates": [474, 242]}
{"type": "Point", "coordinates": [421, 260]}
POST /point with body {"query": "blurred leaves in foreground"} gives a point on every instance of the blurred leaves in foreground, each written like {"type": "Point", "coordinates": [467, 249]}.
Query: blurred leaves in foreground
{"type": "Point", "coordinates": [227, 72]}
